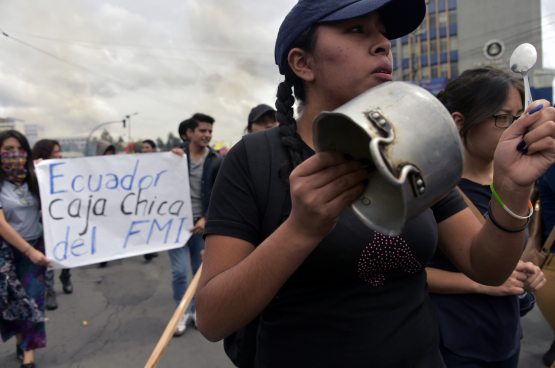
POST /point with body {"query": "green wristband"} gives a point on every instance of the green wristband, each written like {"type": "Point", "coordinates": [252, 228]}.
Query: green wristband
{"type": "Point", "coordinates": [496, 195]}
{"type": "Point", "coordinates": [530, 207]}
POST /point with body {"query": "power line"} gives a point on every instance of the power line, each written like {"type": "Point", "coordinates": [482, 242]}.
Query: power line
{"type": "Point", "coordinates": [516, 24]}
{"type": "Point", "coordinates": [83, 43]}
{"type": "Point", "coordinates": [505, 40]}
{"type": "Point", "coordinates": [125, 85]}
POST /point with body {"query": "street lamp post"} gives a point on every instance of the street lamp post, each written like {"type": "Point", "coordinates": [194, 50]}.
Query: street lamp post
{"type": "Point", "coordinates": [99, 126]}
{"type": "Point", "coordinates": [128, 118]}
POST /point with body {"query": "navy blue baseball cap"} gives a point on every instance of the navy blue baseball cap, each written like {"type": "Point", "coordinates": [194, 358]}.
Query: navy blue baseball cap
{"type": "Point", "coordinates": [400, 17]}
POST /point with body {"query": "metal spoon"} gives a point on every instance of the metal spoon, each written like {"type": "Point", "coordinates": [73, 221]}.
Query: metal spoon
{"type": "Point", "coordinates": [522, 60]}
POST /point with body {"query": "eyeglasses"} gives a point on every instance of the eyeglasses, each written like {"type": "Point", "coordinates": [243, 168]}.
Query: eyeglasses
{"type": "Point", "coordinates": [21, 195]}
{"type": "Point", "coordinates": [504, 120]}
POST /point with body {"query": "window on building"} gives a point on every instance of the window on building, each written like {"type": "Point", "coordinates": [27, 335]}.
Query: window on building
{"type": "Point", "coordinates": [425, 73]}
{"type": "Point", "coordinates": [423, 25]}
{"type": "Point", "coordinates": [433, 20]}
{"type": "Point", "coordinates": [434, 71]}
{"type": "Point", "coordinates": [444, 70]}
{"type": "Point", "coordinates": [443, 44]}
{"type": "Point", "coordinates": [405, 51]}
{"type": "Point", "coordinates": [442, 19]}
{"type": "Point", "coordinates": [433, 46]}
{"type": "Point", "coordinates": [395, 51]}
{"type": "Point", "coordinates": [406, 75]}
{"type": "Point", "coordinates": [424, 47]}
{"type": "Point", "coordinates": [452, 17]}
{"type": "Point", "coordinates": [454, 43]}
{"type": "Point", "coordinates": [454, 69]}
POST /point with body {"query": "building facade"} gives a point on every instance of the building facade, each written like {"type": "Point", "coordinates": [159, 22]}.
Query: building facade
{"type": "Point", "coordinates": [12, 123]}
{"type": "Point", "coordinates": [73, 146]}
{"type": "Point", "coordinates": [462, 34]}
{"type": "Point", "coordinates": [34, 133]}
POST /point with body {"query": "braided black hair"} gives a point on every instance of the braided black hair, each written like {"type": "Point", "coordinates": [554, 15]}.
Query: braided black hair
{"type": "Point", "coordinates": [284, 105]}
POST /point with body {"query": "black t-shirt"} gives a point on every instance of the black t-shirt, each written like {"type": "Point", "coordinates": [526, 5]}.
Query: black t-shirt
{"type": "Point", "coordinates": [360, 299]}
{"type": "Point", "coordinates": [476, 326]}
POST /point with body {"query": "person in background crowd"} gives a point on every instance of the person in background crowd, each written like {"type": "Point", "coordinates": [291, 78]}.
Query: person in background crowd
{"type": "Point", "coordinates": [204, 164]}
{"type": "Point", "coordinates": [327, 290]}
{"type": "Point", "coordinates": [148, 147]}
{"type": "Point", "coordinates": [480, 325]}
{"type": "Point", "coordinates": [105, 148]}
{"type": "Point", "coordinates": [546, 186]}
{"type": "Point", "coordinates": [22, 260]}
{"type": "Point", "coordinates": [182, 130]}
{"type": "Point", "coordinates": [261, 117]}
{"type": "Point", "coordinates": [43, 150]}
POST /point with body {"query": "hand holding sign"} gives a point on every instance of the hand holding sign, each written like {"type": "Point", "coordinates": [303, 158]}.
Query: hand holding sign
{"type": "Point", "coordinates": [98, 209]}
{"type": "Point", "coordinates": [199, 227]}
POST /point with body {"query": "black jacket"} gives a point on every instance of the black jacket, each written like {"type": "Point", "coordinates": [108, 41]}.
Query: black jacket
{"type": "Point", "coordinates": [209, 172]}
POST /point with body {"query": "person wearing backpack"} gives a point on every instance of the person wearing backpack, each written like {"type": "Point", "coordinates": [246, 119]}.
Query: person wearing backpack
{"type": "Point", "coordinates": [480, 325]}
{"type": "Point", "coordinates": [303, 280]}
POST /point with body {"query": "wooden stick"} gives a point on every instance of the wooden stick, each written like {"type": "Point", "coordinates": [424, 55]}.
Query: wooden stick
{"type": "Point", "coordinates": [172, 325]}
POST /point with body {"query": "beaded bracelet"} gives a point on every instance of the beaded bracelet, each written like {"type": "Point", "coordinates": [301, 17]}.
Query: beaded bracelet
{"type": "Point", "coordinates": [490, 215]}
{"type": "Point", "coordinates": [530, 211]}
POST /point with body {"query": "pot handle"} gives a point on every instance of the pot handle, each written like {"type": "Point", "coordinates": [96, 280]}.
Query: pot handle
{"type": "Point", "coordinates": [383, 168]}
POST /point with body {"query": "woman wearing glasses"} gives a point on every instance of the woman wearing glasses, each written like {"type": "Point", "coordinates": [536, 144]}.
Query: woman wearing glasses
{"type": "Point", "coordinates": [22, 260]}
{"type": "Point", "coordinates": [480, 325]}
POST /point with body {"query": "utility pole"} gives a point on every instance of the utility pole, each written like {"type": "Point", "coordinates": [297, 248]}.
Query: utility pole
{"type": "Point", "coordinates": [128, 118]}
{"type": "Point", "coordinates": [98, 126]}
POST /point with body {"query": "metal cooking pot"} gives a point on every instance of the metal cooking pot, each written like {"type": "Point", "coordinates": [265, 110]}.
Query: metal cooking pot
{"type": "Point", "coordinates": [413, 141]}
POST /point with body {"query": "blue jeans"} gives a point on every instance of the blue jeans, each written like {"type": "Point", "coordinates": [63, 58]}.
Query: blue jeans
{"type": "Point", "coordinates": [179, 259]}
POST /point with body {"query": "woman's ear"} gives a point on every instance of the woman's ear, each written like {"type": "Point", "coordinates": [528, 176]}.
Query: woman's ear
{"type": "Point", "coordinates": [459, 119]}
{"type": "Point", "coordinates": [301, 62]}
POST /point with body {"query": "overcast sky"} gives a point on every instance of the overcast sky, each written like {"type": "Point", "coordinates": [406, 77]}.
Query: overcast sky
{"type": "Point", "coordinates": [165, 59]}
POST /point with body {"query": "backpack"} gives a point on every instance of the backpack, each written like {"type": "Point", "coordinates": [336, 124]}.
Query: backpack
{"type": "Point", "coordinates": [265, 156]}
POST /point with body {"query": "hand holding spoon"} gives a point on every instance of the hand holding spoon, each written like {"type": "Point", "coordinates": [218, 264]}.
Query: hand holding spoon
{"type": "Point", "coordinates": [522, 60]}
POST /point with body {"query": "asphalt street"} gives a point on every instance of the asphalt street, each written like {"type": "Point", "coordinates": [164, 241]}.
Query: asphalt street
{"type": "Point", "coordinates": [128, 304]}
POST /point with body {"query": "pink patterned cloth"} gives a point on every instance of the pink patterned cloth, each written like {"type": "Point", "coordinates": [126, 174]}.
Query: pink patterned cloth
{"type": "Point", "coordinates": [13, 163]}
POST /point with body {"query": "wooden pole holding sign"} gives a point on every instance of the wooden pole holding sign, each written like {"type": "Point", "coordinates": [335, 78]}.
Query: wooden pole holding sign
{"type": "Point", "coordinates": [172, 325]}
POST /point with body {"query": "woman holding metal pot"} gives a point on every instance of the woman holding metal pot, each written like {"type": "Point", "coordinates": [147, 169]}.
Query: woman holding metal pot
{"type": "Point", "coordinates": [480, 325]}
{"type": "Point", "coordinates": [304, 280]}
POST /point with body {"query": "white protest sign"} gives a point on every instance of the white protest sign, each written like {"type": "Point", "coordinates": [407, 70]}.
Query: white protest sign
{"type": "Point", "coordinates": [98, 209]}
